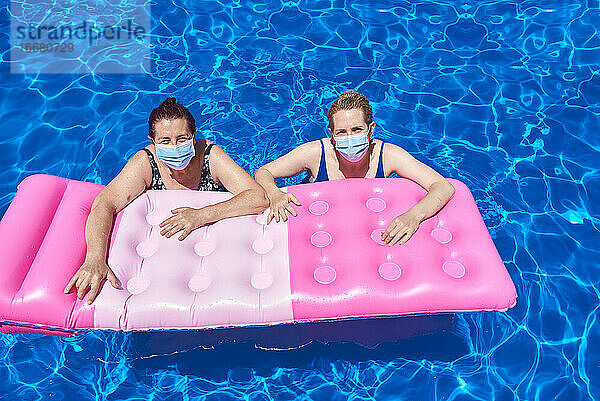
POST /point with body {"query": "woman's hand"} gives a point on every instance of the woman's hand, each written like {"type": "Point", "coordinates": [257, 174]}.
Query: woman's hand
{"type": "Point", "coordinates": [91, 274]}
{"type": "Point", "coordinates": [184, 218]}
{"type": "Point", "coordinates": [401, 229]}
{"type": "Point", "coordinates": [279, 204]}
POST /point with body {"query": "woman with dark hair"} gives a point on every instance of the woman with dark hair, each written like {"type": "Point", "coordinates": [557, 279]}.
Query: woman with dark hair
{"type": "Point", "coordinates": [175, 159]}
{"type": "Point", "coordinates": [353, 152]}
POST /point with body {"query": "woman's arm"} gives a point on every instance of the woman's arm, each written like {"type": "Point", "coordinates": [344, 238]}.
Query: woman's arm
{"type": "Point", "coordinates": [124, 188]}
{"type": "Point", "coordinates": [439, 192]}
{"type": "Point", "coordinates": [295, 162]}
{"type": "Point", "coordinates": [249, 198]}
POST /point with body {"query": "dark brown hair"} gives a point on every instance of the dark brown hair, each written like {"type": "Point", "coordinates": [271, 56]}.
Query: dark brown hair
{"type": "Point", "coordinates": [170, 109]}
{"type": "Point", "coordinates": [351, 100]}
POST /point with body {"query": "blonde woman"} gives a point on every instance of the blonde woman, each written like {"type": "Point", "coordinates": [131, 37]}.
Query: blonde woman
{"type": "Point", "coordinates": [351, 151]}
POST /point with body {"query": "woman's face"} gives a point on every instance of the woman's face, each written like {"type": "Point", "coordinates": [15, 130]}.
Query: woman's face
{"type": "Point", "coordinates": [172, 132]}
{"type": "Point", "coordinates": [349, 122]}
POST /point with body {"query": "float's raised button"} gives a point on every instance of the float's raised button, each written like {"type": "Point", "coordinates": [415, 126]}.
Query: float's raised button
{"type": "Point", "coordinates": [376, 236]}
{"type": "Point", "coordinates": [262, 245]}
{"type": "Point", "coordinates": [204, 248]}
{"type": "Point", "coordinates": [318, 207]}
{"type": "Point", "coordinates": [261, 280]}
{"type": "Point", "coordinates": [146, 248]}
{"type": "Point", "coordinates": [137, 285]}
{"type": "Point", "coordinates": [262, 218]}
{"type": "Point", "coordinates": [153, 219]}
{"type": "Point", "coordinates": [376, 204]}
{"type": "Point", "coordinates": [324, 274]}
{"type": "Point", "coordinates": [454, 268]}
{"type": "Point", "coordinates": [320, 239]}
{"type": "Point", "coordinates": [199, 282]}
{"type": "Point", "coordinates": [442, 235]}
{"type": "Point", "coordinates": [390, 271]}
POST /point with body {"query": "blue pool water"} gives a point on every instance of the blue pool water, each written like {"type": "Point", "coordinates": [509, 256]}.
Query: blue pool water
{"type": "Point", "coordinates": [503, 95]}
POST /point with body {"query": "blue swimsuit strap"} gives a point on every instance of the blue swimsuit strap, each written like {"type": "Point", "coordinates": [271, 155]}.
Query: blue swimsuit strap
{"type": "Point", "coordinates": [380, 173]}
{"type": "Point", "coordinates": [322, 174]}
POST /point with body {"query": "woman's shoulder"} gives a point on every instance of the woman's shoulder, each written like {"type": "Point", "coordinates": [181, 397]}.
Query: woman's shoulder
{"type": "Point", "coordinates": [144, 160]}
{"type": "Point", "coordinates": [209, 148]}
{"type": "Point", "coordinates": [393, 149]}
{"type": "Point", "coordinates": [144, 157]}
{"type": "Point", "coordinates": [142, 154]}
{"type": "Point", "coordinates": [215, 155]}
{"type": "Point", "coordinates": [310, 148]}
{"type": "Point", "coordinates": [307, 154]}
{"type": "Point", "coordinates": [137, 167]}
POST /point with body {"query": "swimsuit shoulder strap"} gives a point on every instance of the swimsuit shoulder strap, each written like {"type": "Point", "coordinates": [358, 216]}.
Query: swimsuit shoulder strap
{"type": "Point", "coordinates": [322, 174]}
{"type": "Point", "coordinates": [157, 182]}
{"type": "Point", "coordinates": [150, 157]}
{"type": "Point", "coordinates": [380, 173]}
{"type": "Point", "coordinates": [207, 183]}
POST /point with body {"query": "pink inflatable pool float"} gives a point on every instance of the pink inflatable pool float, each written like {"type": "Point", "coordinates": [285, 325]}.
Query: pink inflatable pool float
{"type": "Point", "coordinates": [327, 263]}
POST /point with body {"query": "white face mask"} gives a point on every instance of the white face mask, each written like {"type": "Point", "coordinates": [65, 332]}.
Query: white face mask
{"type": "Point", "coordinates": [176, 156]}
{"type": "Point", "coordinates": [353, 147]}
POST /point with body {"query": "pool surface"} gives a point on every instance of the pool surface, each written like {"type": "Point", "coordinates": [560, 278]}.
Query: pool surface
{"type": "Point", "coordinates": [502, 95]}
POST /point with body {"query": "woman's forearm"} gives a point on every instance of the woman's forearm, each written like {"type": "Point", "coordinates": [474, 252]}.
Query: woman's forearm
{"type": "Point", "coordinates": [438, 195]}
{"type": "Point", "coordinates": [250, 201]}
{"type": "Point", "coordinates": [97, 230]}
{"type": "Point", "coordinates": [266, 180]}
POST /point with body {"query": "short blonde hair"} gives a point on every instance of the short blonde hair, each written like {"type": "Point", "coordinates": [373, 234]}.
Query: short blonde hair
{"type": "Point", "coordinates": [351, 100]}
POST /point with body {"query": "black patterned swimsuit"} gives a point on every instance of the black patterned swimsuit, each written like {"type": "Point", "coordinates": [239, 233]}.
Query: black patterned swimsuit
{"type": "Point", "coordinates": [206, 181]}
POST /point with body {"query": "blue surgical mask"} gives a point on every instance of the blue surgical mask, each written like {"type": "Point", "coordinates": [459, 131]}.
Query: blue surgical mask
{"type": "Point", "coordinates": [353, 147]}
{"type": "Point", "coordinates": [176, 156]}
